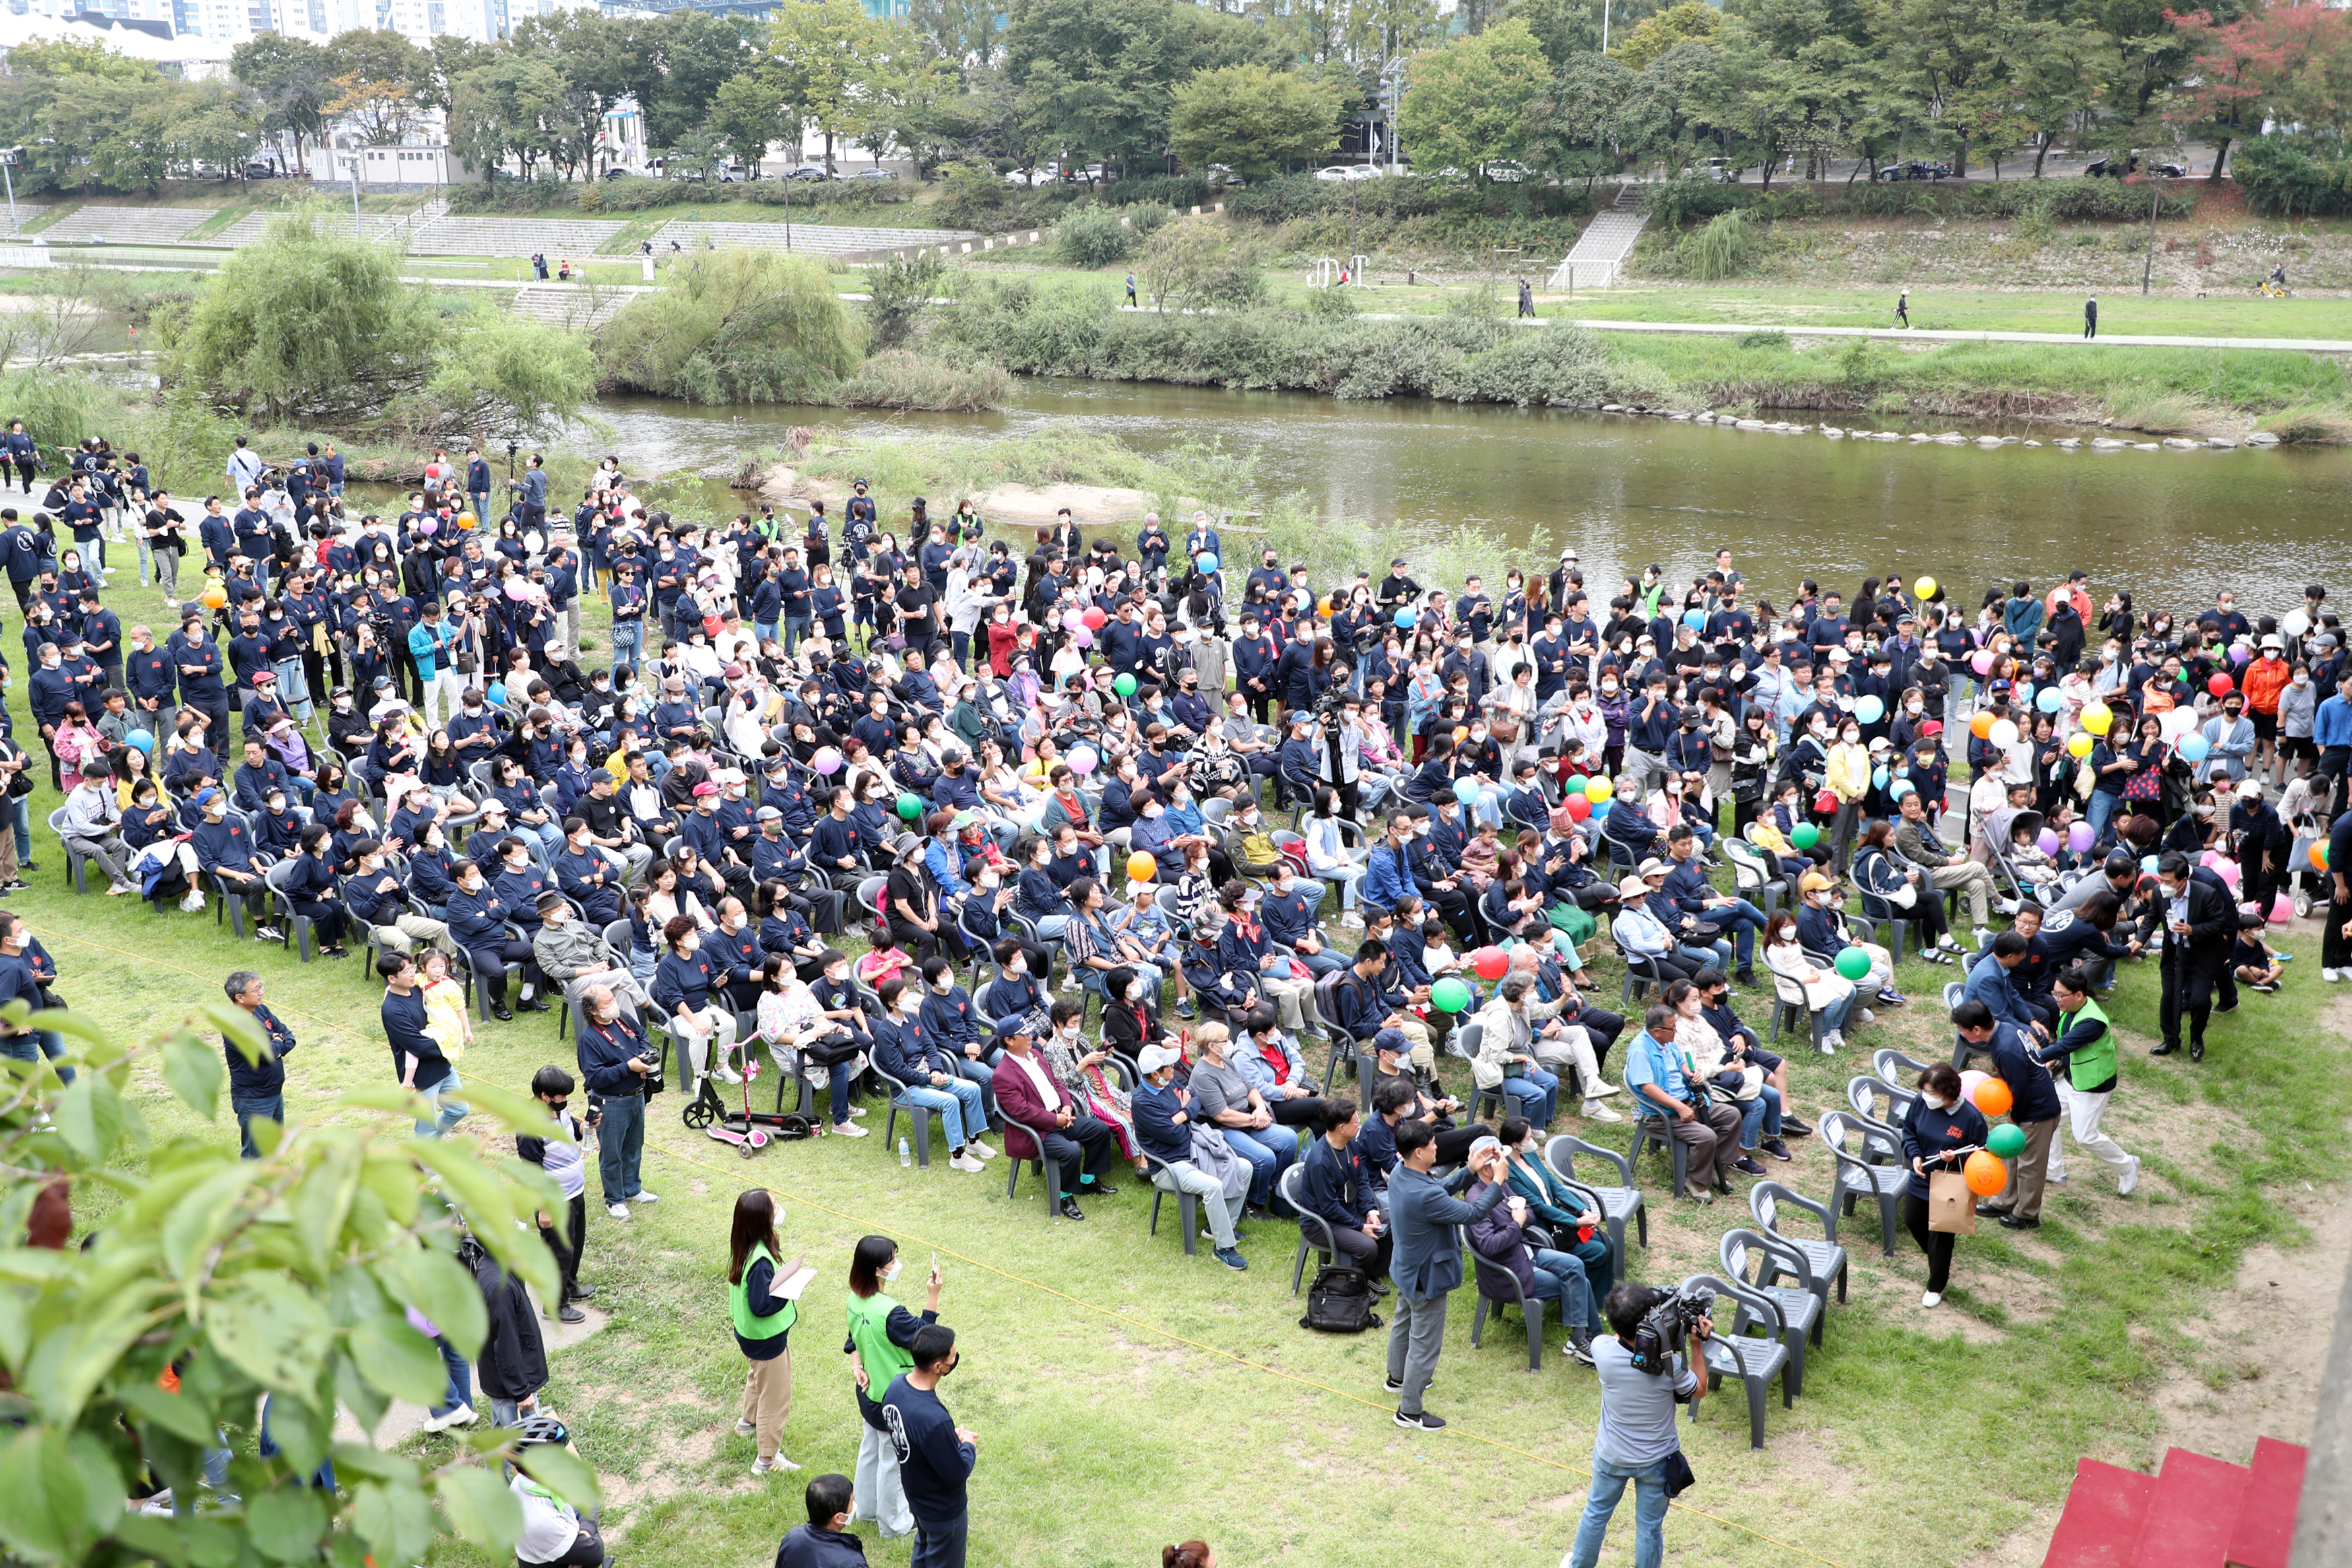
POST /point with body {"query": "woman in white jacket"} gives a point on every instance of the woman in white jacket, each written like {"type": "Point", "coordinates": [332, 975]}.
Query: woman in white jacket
{"type": "Point", "coordinates": [1826, 992]}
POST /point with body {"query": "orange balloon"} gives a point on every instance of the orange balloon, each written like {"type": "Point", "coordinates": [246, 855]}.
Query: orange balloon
{"type": "Point", "coordinates": [1985, 1173]}
{"type": "Point", "coordinates": [1140, 867]}
{"type": "Point", "coordinates": [1993, 1097]}
{"type": "Point", "coordinates": [1981, 725]}
{"type": "Point", "coordinates": [1324, 605]}
{"type": "Point", "coordinates": [214, 598]}
{"type": "Point", "coordinates": [1461, 733]}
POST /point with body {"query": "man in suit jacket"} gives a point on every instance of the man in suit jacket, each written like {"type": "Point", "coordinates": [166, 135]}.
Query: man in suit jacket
{"type": "Point", "coordinates": [2200, 922]}
{"type": "Point", "coordinates": [1080, 1146]}
{"type": "Point", "coordinates": [1426, 1264]}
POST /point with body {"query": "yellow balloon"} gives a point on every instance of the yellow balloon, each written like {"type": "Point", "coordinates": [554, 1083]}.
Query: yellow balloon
{"type": "Point", "coordinates": [1925, 587]}
{"type": "Point", "coordinates": [2097, 717]}
{"type": "Point", "coordinates": [2080, 746]}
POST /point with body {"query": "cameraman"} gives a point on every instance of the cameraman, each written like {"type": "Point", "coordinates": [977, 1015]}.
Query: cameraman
{"type": "Point", "coordinates": [1636, 1438]}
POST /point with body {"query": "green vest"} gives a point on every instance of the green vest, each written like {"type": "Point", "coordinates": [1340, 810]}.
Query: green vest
{"type": "Point", "coordinates": [869, 1330]}
{"type": "Point", "coordinates": [2094, 1063]}
{"type": "Point", "coordinates": [738, 1302]}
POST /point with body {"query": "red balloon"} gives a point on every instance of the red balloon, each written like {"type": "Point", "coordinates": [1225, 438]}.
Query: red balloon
{"type": "Point", "coordinates": [1094, 618]}
{"type": "Point", "coordinates": [1577, 807]}
{"type": "Point", "coordinates": [1491, 962]}
{"type": "Point", "coordinates": [2221, 686]}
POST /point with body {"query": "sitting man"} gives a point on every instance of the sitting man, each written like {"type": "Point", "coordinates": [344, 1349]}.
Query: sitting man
{"type": "Point", "coordinates": [1229, 1103]}
{"type": "Point", "coordinates": [907, 1051]}
{"type": "Point", "coordinates": [1080, 1146]}
{"type": "Point", "coordinates": [1164, 1127]}
{"type": "Point", "coordinates": [1337, 1187]}
{"type": "Point", "coordinates": [1654, 1072]}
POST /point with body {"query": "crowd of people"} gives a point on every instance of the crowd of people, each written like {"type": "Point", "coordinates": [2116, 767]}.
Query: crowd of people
{"type": "Point", "coordinates": [988, 819]}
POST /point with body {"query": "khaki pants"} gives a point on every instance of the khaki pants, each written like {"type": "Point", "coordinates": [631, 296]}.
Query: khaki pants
{"type": "Point", "coordinates": [1975, 883]}
{"type": "Point", "coordinates": [411, 929]}
{"type": "Point", "coordinates": [768, 1400]}
{"type": "Point", "coordinates": [2029, 1174]}
{"type": "Point", "coordinates": [1294, 1000]}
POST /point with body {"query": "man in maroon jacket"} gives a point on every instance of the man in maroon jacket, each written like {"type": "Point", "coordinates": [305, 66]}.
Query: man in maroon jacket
{"type": "Point", "coordinates": [1026, 1091]}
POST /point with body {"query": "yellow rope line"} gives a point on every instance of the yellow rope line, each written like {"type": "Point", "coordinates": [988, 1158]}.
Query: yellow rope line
{"type": "Point", "coordinates": [1111, 1313]}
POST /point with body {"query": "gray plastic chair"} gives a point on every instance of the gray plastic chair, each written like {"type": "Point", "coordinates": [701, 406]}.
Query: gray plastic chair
{"type": "Point", "coordinates": [1310, 1225]}
{"type": "Point", "coordinates": [1790, 1008]}
{"type": "Point", "coordinates": [1857, 1178]}
{"type": "Point", "coordinates": [1750, 878]}
{"type": "Point", "coordinates": [1646, 1128]}
{"type": "Point", "coordinates": [298, 929]}
{"type": "Point", "coordinates": [1893, 1066]}
{"type": "Point", "coordinates": [1187, 1208]}
{"type": "Point", "coordinates": [1755, 1361]}
{"type": "Point", "coordinates": [1616, 1205]}
{"type": "Point", "coordinates": [1801, 1309]}
{"type": "Point", "coordinates": [920, 1114]}
{"type": "Point", "coordinates": [1769, 1202]}
{"type": "Point", "coordinates": [1463, 1042]}
{"type": "Point", "coordinates": [75, 859]}
{"type": "Point", "coordinates": [1531, 1309]}
{"type": "Point", "coordinates": [1864, 1092]}
{"type": "Point", "coordinates": [1047, 1166]}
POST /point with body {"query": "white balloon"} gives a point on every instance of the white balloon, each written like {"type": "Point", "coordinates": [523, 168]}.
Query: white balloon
{"type": "Point", "coordinates": [2174, 723]}
{"type": "Point", "coordinates": [2004, 734]}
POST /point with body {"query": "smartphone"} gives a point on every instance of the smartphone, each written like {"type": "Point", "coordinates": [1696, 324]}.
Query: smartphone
{"type": "Point", "coordinates": [935, 1265]}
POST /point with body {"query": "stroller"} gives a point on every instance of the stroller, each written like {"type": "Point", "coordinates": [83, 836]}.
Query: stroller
{"type": "Point", "coordinates": [2307, 884]}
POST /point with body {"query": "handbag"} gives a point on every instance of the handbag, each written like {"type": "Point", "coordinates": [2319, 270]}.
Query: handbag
{"type": "Point", "coordinates": [1676, 1473]}
{"type": "Point", "coordinates": [1951, 1206]}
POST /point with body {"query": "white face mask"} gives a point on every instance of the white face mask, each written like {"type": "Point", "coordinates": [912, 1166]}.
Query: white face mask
{"type": "Point", "coordinates": [890, 1271]}
{"type": "Point", "coordinates": [1936, 1104]}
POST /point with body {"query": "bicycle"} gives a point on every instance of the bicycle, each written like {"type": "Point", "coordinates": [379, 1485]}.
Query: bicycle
{"type": "Point", "coordinates": [2271, 291]}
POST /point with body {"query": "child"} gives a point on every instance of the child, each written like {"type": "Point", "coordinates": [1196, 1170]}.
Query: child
{"type": "Point", "coordinates": [446, 1023]}
{"type": "Point", "coordinates": [566, 1235]}
{"type": "Point", "coordinates": [1482, 854]}
{"type": "Point", "coordinates": [2033, 868]}
{"type": "Point", "coordinates": [2255, 960]}
{"type": "Point", "coordinates": [883, 962]}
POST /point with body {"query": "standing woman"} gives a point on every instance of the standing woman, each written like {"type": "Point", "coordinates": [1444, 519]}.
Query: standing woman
{"type": "Point", "coordinates": [1940, 1126]}
{"type": "Point", "coordinates": [880, 1347]}
{"type": "Point", "coordinates": [763, 1325]}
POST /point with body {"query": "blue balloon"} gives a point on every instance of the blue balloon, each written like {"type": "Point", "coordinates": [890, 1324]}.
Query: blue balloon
{"type": "Point", "coordinates": [141, 739]}
{"type": "Point", "coordinates": [1465, 790]}
{"type": "Point", "coordinates": [1878, 776]}
{"type": "Point", "coordinates": [1406, 616]}
{"type": "Point", "coordinates": [2048, 699]}
{"type": "Point", "coordinates": [1869, 710]}
{"type": "Point", "coordinates": [2195, 748]}
{"type": "Point", "coordinates": [2147, 863]}
{"type": "Point", "coordinates": [1206, 561]}
{"type": "Point", "coordinates": [497, 694]}
{"type": "Point", "coordinates": [1903, 787]}
{"type": "Point", "coordinates": [1695, 619]}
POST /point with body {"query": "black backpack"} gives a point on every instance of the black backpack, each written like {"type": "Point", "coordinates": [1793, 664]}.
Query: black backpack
{"type": "Point", "coordinates": [1339, 1301]}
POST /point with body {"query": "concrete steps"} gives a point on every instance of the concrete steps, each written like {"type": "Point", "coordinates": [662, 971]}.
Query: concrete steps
{"type": "Point", "coordinates": [1601, 249]}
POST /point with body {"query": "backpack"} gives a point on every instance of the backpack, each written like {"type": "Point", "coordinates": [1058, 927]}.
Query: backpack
{"type": "Point", "coordinates": [1339, 1301]}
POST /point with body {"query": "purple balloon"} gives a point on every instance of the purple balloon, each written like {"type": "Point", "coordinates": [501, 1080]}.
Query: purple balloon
{"type": "Point", "coordinates": [2047, 842]}
{"type": "Point", "coordinates": [2239, 654]}
{"type": "Point", "coordinates": [429, 528]}
{"type": "Point", "coordinates": [1082, 638]}
{"type": "Point", "coordinates": [2079, 837]}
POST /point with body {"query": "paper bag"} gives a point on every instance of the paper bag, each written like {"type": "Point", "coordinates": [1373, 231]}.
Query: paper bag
{"type": "Point", "coordinates": [1951, 1206]}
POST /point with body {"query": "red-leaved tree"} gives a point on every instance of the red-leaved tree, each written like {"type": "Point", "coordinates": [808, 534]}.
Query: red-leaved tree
{"type": "Point", "coordinates": [2289, 65]}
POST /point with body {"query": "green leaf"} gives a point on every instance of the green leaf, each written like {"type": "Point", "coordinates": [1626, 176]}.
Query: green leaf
{"type": "Point", "coordinates": [301, 1429]}
{"type": "Point", "coordinates": [353, 1392]}
{"type": "Point", "coordinates": [101, 1483]}
{"type": "Point", "coordinates": [89, 1116]}
{"type": "Point", "coordinates": [271, 1330]}
{"type": "Point", "coordinates": [321, 1201]}
{"type": "Point", "coordinates": [484, 1511]}
{"type": "Point", "coordinates": [478, 1193]}
{"type": "Point", "coordinates": [398, 1360]}
{"type": "Point", "coordinates": [522, 1113]}
{"type": "Point", "coordinates": [394, 1520]}
{"type": "Point", "coordinates": [563, 1472]}
{"type": "Point", "coordinates": [195, 1073]}
{"type": "Point", "coordinates": [204, 1216]}
{"type": "Point", "coordinates": [156, 1539]}
{"type": "Point", "coordinates": [285, 1524]}
{"type": "Point", "coordinates": [236, 1026]}
{"type": "Point", "coordinates": [40, 1503]}
{"type": "Point", "coordinates": [374, 1464]}
{"type": "Point", "coordinates": [180, 1414]}
{"type": "Point", "coordinates": [379, 1097]}
{"type": "Point", "coordinates": [438, 1286]}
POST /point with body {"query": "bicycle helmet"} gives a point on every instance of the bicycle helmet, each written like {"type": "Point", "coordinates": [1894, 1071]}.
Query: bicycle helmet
{"type": "Point", "coordinates": [537, 1429]}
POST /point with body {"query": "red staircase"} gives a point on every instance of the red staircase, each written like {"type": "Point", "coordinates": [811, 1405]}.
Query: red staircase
{"type": "Point", "coordinates": [2194, 1512]}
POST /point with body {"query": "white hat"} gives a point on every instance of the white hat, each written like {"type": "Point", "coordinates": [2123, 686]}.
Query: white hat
{"type": "Point", "coordinates": [1154, 1057]}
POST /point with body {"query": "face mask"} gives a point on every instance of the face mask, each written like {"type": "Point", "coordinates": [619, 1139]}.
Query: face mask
{"type": "Point", "coordinates": [2301, 680]}
{"type": "Point", "coordinates": [889, 1271]}
{"type": "Point", "coordinates": [1936, 1103]}
{"type": "Point", "coordinates": [943, 983]}
{"type": "Point", "coordinates": [1911, 706]}
{"type": "Point", "coordinates": [1608, 688]}
{"type": "Point", "coordinates": [1150, 814]}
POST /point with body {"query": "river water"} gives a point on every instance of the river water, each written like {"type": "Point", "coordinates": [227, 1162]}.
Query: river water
{"type": "Point", "coordinates": [2171, 527]}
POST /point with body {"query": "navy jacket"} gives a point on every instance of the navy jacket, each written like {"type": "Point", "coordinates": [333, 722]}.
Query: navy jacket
{"type": "Point", "coordinates": [266, 1078]}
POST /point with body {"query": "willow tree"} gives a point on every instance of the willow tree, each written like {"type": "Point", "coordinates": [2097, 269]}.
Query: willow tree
{"type": "Point", "coordinates": [734, 326]}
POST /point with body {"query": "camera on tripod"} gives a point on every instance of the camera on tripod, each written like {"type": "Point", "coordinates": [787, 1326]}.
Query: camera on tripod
{"type": "Point", "coordinates": [1668, 1327]}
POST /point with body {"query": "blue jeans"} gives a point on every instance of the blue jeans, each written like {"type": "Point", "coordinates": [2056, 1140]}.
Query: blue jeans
{"type": "Point", "coordinates": [1537, 1094]}
{"type": "Point", "coordinates": [461, 1377]}
{"type": "Point", "coordinates": [273, 1107]}
{"type": "Point", "coordinates": [33, 1045]}
{"type": "Point", "coordinates": [448, 1111]}
{"type": "Point", "coordinates": [629, 643]}
{"type": "Point", "coordinates": [1835, 1016]}
{"type": "Point", "coordinates": [2101, 812]}
{"type": "Point", "coordinates": [1759, 1116]}
{"type": "Point", "coordinates": [621, 1146]}
{"type": "Point", "coordinates": [1649, 1513]}
{"type": "Point", "coordinates": [1268, 1150]}
{"type": "Point", "coordinates": [764, 630]}
{"type": "Point", "coordinates": [1324, 962]}
{"type": "Point", "coordinates": [797, 631]}
{"type": "Point", "coordinates": [957, 1104]}
{"type": "Point", "coordinates": [1560, 1276]}
{"type": "Point", "coordinates": [1742, 920]}
{"type": "Point", "coordinates": [293, 690]}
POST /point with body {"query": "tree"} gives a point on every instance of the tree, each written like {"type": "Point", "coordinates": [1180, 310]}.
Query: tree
{"type": "Point", "coordinates": [291, 79]}
{"type": "Point", "coordinates": [449, 57]}
{"type": "Point", "coordinates": [747, 112]}
{"type": "Point", "coordinates": [2291, 65]}
{"type": "Point", "coordinates": [693, 53]}
{"type": "Point", "coordinates": [820, 54]}
{"type": "Point", "coordinates": [599, 60]}
{"type": "Point", "coordinates": [1254, 121]}
{"type": "Point", "coordinates": [207, 1284]}
{"type": "Point", "coordinates": [508, 107]}
{"type": "Point", "coordinates": [1381, 31]}
{"type": "Point", "coordinates": [376, 76]}
{"type": "Point", "coordinates": [968, 35]}
{"type": "Point", "coordinates": [906, 107]}
{"type": "Point", "coordinates": [1691, 22]}
{"type": "Point", "coordinates": [1466, 105]}
{"type": "Point", "coordinates": [1195, 264]}
{"type": "Point", "coordinates": [1095, 78]}
{"type": "Point", "coordinates": [734, 326]}
{"type": "Point", "coordinates": [1572, 128]}
{"type": "Point", "coordinates": [1659, 118]}
{"type": "Point", "coordinates": [1566, 28]}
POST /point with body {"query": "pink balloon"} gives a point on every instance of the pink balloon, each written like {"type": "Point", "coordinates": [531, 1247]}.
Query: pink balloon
{"type": "Point", "coordinates": [429, 528]}
{"type": "Point", "coordinates": [1082, 638]}
{"type": "Point", "coordinates": [1082, 760]}
{"type": "Point", "coordinates": [1074, 620]}
{"type": "Point", "coordinates": [1982, 661]}
{"type": "Point", "coordinates": [2281, 910]}
{"type": "Point", "coordinates": [1969, 1081]}
{"type": "Point", "coordinates": [2229, 872]}
{"type": "Point", "coordinates": [826, 760]}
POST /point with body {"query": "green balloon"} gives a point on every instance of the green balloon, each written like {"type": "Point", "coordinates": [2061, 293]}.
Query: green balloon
{"type": "Point", "coordinates": [910, 806]}
{"type": "Point", "coordinates": [2008, 1140]}
{"type": "Point", "coordinates": [1853, 964]}
{"type": "Point", "coordinates": [1449, 995]}
{"type": "Point", "coordinates": [1804, 836]}
{"type": "Point", "coordinates": [1124, 686]}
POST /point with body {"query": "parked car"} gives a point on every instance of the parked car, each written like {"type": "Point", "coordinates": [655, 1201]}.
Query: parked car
{"type": "Point", "coordinates": [1219, 175]}
{"type": "Point", "coordinates": [1338, 174]}
{"type": "Point", "coordinates": [1505, 171]}
{"type": "Point", "coordinates": [811, 171]}
{"type": "Point", "coordinates": [1043, 175]}
{"type": "Point", "coordinates": [875, 174]}
{"type": "Point", "coordinates": [1913, 170]}
{"type": "Point", "coordinates": [260, 169]}
{"type": "Point", "coordinates": [2113, 168]}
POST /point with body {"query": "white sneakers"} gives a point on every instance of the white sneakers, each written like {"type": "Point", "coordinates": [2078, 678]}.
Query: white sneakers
{"type": "Point", "coordinates": [1984, 935]}
{"type": "Point", "coordinates": [1931, 1297]}
{"type": "Point", "coordinates": [768, 1467]}
{"type": "Point", "coordinates": [1602, 1090]}
{"type": "Point", "coordinates": [965, 1163]}
{"type": "Point", "coordinates": [849, 1129]}
{"type": "Point", "coordinates": [1600, 1112]}
{"type": "Point", "coordinates": [458, 1415]}
{"type": "Point", "coordinates": [747, 1428]}
{"type": "Point", "coordinates": [726, 1074]}
{"type": "Point", "coordinates": [1864, 1015]}
{"type": "Point", "coordinates": [618, 1211]}
{"type": "Point", "coordinates": [194, 903]}
{"type": "Point", "coordinates": [2335, 975]}
{"type": "Point", "coordinates": [1351, 921]}
{"type": "Point", "coordinates": [979, 1149]}
{"type": "Point", "coordinates": [2129, 1181]}
{"type": "Point", "coordinates": [1832, 1041]}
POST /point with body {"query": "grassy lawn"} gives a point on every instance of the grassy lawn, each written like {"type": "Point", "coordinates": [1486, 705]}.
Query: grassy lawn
{"type": "Point", "coordinates": [1126, 1396]}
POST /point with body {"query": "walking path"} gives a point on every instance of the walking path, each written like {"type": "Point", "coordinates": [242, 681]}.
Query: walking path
{"type": "Point", "coordinates": [1924, 334]}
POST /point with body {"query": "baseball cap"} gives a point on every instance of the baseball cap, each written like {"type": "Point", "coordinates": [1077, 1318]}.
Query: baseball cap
{"type": "Point", "coordinates": [1814, 882]}
{"type": "Point", "coordinates": [705, 787]}
{"type": "Point", "coordinates": [1154, 1057]}
{"type": "Point", "coordinates": [1488, 1145]}
{"type": "Point", "coordinates": [1392, 1041]}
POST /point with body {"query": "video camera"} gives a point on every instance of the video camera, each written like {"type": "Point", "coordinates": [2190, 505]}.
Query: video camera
{"type": "Point", "coordinates": [1668, 1327]}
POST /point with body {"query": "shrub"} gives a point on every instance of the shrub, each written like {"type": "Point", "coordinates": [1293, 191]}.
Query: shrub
{"type": "Point", "coordinates": [897, 378]}
{"type": "Point", "coordinates": [607, 196]}
{"type": "Point", "coordinates": [2281, 179]}
{"type": "Point", "coordinates": [1726, 247]}
{"type": "Point", "coordinates": [734, 326]}
{"type": "Point", "coordinates": [1092, 236]}
{"type": "Point", "coordinates": [897, 293]}
{"type": "Point", "coordinates": [1332, 304]}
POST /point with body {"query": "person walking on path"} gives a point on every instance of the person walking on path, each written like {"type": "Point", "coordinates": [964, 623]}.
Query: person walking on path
{"type": "Point", "coordinates": [1426, 1263]}
{"type": "Point", "coordinates": [1527, 299]}
{"type": "Point", "coordinates": [2085, 1049]}
{"type": "Point", "coordinates": [2090, 317]}
{"type": "Point", "coordinates": [1902, 309]}
{"type": "Point", "coordinates": [763, 1325]}
{"type": "Point", "coordinates": [880, 1348]}
{"type": "Point", "coordinates": [1130, 290]}
{"type": "Point", "coordinates": [935, 1456]}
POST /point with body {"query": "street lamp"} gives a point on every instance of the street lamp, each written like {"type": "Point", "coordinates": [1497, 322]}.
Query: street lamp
{"type": "Point", "coordinates": [11, 159]}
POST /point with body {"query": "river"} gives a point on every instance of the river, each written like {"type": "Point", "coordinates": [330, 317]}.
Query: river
{"type": "Point", "coordinates": [2171, 527]}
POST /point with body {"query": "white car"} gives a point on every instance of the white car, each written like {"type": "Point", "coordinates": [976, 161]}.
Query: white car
{"type": "Point", "coordinates": [1338, 174]}
{"type": "Point", "coordinates": [1506, 171]}
{"type": "Point", "coordinates": [1368, 171]}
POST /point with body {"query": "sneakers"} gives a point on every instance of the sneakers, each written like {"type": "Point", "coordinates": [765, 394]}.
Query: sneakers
{"type": "Point", "coordinates": [1931, 1298]}
{"type": "Point", "coordinates": [1777, 1150]}
{"type": "Point", "coordinates": [1424, 1422]}
{"type": "Point", "coordinates": [747, 1429]}
{"type": "Point", "coordinates": [457, 1415]}
{"type": "Point", "coordinates": [618, 1211]}
{"type": "Point", "coordinates": [726, 1074]}
{"type": "Point", "coordinates": [858, 1112]}
{"type": "Point", "coordinates": [1894, 999]}
{"type": "Point", "coordinates": [1231, 1259]}
{"type": "Point", "coordinates": [267, 933]}
{"type": "Point", "coordinates": [1746, 1165]}
{"type": "Point", "coordinates": [193, 904]}
{"type": "Point", "coordinates": [1796, 1126]}
{"type": "Point", "coordinates": [1864, 1016]}
{"type": "Point", "coordinates": [1831, 1041]}
{"type": "Point", "coordinates": [2130, 1182]}
{"type": "Point", "coordinates": [1602, 1090]}
{"type": "Point", "coordinates": [965, 1163]}
{"type": "Point", "coordinates": [1701, 1197]}
{"type": "Point", "coordinates": [1580, 1344]}
{"type": "Point", "coordinates": [568, 1313]}
{"type": "Point", "coordinates": [2336, 976]}
{"type": "Point", "coordinates": [1351, 921]}
{"type": "Point", "coordinates": [769, 1467]}
{"type": "Point", "coordinates": [644, 1197]}
{"type": "Point", "coordinates": [979, 1149]}
{"type": "Point", "coordinates": [849, 1129]}
{"type": "Point", "coordinates": [1395, 1385]}
{"type": "Point", "coordinates": [1596, 1112]}
{"type": "Point", "coordinates": [119, 889]}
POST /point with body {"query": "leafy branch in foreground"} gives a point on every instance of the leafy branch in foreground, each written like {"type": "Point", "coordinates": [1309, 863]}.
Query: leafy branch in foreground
{"type": "Point", "coordinates": [213, 1295]}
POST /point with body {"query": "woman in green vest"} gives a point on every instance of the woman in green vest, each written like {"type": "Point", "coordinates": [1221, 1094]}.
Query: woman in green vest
{"type": "Point", "coordinates": [880, 1348]}
{"type": "Point", "coordinates": [2084, 1051]}
{"type": "Point", "coordinates": [763, 1325]}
